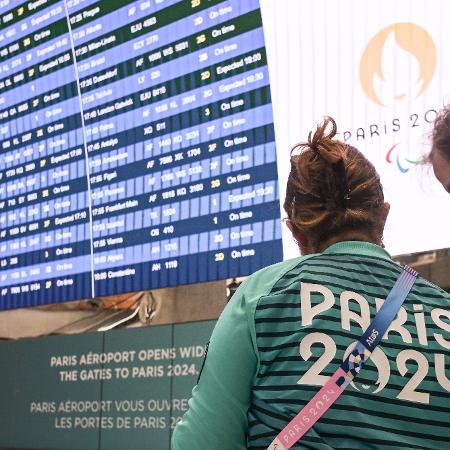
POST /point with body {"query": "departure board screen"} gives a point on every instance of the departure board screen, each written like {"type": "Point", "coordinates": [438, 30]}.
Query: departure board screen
{"type": "Point", "coordinates": [137, 147]}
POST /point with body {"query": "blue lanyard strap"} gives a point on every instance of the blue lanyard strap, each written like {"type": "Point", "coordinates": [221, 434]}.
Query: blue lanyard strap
{"type": "Point", "coordinates": [380, 324]}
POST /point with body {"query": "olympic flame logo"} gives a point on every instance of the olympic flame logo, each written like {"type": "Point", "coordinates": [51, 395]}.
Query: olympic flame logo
{"type": "Point", "coordinates": [413, 41]}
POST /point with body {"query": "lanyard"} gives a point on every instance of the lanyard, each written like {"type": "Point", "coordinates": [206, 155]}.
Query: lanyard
{"type": "Point", "coordinates": [360, 354]}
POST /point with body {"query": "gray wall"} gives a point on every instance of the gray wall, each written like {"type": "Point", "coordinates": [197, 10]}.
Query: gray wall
{"type": "Point", "coordinates": [172, 305]}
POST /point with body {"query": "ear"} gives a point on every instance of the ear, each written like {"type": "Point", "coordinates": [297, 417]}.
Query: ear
{"type": "Point", "coordinates": [385, 213]}
{"type": "Point", "coordinates": [381, 224]}
{"type": "Point", "coordinates": [299, 238]}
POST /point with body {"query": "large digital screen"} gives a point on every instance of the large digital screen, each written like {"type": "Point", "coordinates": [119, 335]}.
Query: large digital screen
{"type": "Point", "coordinates": [137, 147]}
{"type": "Point", "coordinates": [381, 69]}
{"type": "Point", "coordinates": [145, 144]}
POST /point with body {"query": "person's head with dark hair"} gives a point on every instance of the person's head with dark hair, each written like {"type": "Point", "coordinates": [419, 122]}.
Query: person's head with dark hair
{"type": "Point", "coordinates": [440, 150]}
{"type": "Point", "coordinates": [333, 193]}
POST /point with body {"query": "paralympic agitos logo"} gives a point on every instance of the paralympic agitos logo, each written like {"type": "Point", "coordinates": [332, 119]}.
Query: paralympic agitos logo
{"type": "Point", "coordinates": [411, 38]}
{"type": "Point", "coordinates": [394, 156]}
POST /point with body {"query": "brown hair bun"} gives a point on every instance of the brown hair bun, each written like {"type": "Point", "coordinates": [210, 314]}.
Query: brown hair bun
{"type": "Point", "coordinates": [332, 187]}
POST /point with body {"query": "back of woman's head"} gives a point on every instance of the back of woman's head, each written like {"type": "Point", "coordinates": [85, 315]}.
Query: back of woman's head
{"type": "Point", "coordinates": [333, 189]}
{"type": "Point", "coordinates": [441, 133]}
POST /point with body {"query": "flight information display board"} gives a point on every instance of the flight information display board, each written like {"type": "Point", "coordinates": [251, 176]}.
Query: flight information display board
{"type": "Point", "coordinates": [136, 147]}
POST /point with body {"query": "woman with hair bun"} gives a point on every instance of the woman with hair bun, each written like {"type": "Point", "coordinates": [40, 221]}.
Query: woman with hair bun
{"type": "Point", "coordinates": [333, 194]}
{"type": "Point", "coordinates": [289, 326]}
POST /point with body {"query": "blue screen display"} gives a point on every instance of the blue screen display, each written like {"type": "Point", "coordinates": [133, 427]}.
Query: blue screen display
{"type": "Point", "coordinates": [137, 147]}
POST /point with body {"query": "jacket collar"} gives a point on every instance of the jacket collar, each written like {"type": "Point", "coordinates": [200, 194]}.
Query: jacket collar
{"type": "Point", "coordinates": [358, 248]}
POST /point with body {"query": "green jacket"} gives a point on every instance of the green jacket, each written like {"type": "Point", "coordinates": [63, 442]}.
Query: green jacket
{"type": "Point", "coordinates": [286, 330]}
